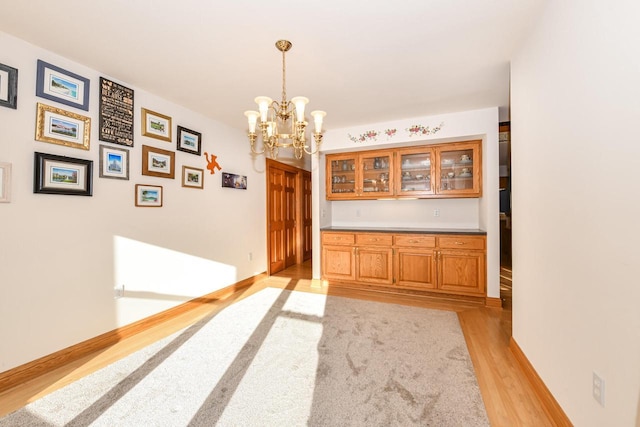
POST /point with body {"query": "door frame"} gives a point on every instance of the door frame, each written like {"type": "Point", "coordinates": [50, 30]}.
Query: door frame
{"type": "Point", "coordinates": [273, 164]}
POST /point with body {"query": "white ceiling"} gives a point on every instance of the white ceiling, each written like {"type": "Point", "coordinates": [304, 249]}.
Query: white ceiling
{"type": "Point", "coordinates": [361, 61]}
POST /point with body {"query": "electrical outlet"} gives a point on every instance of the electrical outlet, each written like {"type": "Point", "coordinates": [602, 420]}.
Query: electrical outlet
{"type": "Point", "coordinates": [436, 212]}
{"type": "Point", "coordinates": [118, 292]}
{"type": "Point", "coordinates": [598, 389]}
{"type": "Point", "coordinates": [250, 257]}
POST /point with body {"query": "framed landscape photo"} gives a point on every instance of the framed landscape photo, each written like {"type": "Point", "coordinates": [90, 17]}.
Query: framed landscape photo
{"type": "Point", "coordinates": [114, 162]}
{"type": "Point", "coordinates": [8, 86]}
{"type": "Point", "coordinates": [148, 196]}
{"type": "Point", "coordinates": [192, 177]}
{"type": "Point", "coordinates": [61, 127]}
{"type": "Point", "coordinates": [62, 175]}
{"type": "Point", "coordinates": [158, 162]}
{"type": "Point", "coordinates": [5, 182]}
{"type": "Point", "coordinates": [189, 140]}
{"type": "Point", "coordinates": [156, 125]}
{"type": "Point", "coordinates": [59, 85]}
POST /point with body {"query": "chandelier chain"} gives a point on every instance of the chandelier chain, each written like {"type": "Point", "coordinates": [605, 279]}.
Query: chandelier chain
{"type": "Point", "coordinates": [284, 89]}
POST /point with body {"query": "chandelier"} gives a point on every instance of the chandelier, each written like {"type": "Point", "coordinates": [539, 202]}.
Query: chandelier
{"type": "Point", "coordinates": [279, 126]}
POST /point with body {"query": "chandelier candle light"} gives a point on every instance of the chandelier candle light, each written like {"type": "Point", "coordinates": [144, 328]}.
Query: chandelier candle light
{"type": "Point", "coordinates": [274, 118]}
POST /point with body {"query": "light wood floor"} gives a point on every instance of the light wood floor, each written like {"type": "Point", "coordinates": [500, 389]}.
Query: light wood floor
{"type": "Point", "coordinates": [508, 396]}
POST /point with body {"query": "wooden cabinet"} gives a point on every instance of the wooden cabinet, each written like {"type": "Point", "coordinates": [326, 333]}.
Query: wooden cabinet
{"type": "Point", "coordinates": [374, 258]}
{"type": "Point", "coordinates": [431, 171]}
{"type": "Point", "coordinates": [338, 256]}
{"type": "Point", "coordinates": [364, 175]}
{"type": "Point", "coordinates": [447, 263]}
{"type": "Point", "coordinates": [458, 171]}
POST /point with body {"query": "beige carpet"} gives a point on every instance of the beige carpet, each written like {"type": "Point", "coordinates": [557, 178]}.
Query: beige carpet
{"type": "Point", "coordinates": [282, 358]}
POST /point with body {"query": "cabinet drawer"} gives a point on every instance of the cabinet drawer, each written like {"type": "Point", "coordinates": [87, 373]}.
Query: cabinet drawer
{"type": "Point", "coordinates": [374, 239]}
{"type": "Point", "coordinates": [338, 238]}
{"type": "Point", "coordinates": [414, 240]}
{"type": "Point", "coordinates": [462, 242]}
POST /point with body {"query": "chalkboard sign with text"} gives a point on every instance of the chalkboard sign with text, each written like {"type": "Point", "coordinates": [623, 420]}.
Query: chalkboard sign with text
{"type": "Point", "coordinates": [116, 113]}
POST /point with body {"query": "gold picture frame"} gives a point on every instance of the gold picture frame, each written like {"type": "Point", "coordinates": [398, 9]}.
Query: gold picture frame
{"type": "Point", "coordinates": [156, 125]}
{"type": "Point", "coordinates": [58, 126]}
{"type": "Point", "coordinates": [192, 177]}
{"type": "Point", "coordinates": [158, 162]}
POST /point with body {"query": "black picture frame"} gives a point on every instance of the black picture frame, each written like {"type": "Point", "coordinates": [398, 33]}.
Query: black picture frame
{"type": "Point", "coordinates": [116, 120]}
{"type": "Point", "coordinates": [231, 180]}
{"type": "Point", "coordinates": [189, 141]}
{"type": "Point", "coordinates": [59, 85]}
{"type": "Point", "coordinates": [8, 86]}
{"type": "Point", "coordinates": [55, 174]}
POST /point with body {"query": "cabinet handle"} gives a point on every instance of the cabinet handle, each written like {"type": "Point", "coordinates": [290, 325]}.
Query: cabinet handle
{"type": "Point", "coordinates": [459, 243]}
{"type": "Point", "coordinates": [413, 241]}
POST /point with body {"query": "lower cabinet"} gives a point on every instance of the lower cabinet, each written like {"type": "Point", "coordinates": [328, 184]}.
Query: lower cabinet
{"type": "Point", "coordinates": [448, 263]}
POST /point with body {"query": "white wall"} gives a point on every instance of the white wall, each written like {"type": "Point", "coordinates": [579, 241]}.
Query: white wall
{"type": "Point", "coordinates": [480, 213]}
{"type": "Point", "coordinates": [575, 156]}
{"type": "Point", "coordinates": [61, 256]}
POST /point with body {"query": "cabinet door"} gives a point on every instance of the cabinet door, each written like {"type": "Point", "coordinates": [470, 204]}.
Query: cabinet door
{"type": "Point", "coordinates": [374, 265]}
{"type": "Point", "coordinates": [414, 172]}
{"type": "Point", "coordinates": [462, 271]}
{"type": "Point", "coordinates": [341, 176]}
{"type": "Point", "coordinates": [459, 170]}
{"type": "Point", "coordinates": [338, 262]}
{"type": "Point", "coordinates": [376, 174]}
{"type": "Point", "coordinates": [415, 268]}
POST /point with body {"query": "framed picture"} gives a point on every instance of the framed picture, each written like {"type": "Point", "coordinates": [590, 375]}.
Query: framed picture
{"type": "Point", "coordinates": [5, 182]}
{"type": "Point", "coordinates": [115, 117]}
{"type": "Point", "coordinates": [8, 86]}
{"type": "Point", "coordinates": [62, 127]}
{"type": "Point", "coordinates": [62, 86]}
{"type": "Point", "coordinates": [234, 181]}
{"type": "Point", "coordinates": [192, 177]}
{"type": "Point", "coordinates": [114, 162]}
{"type": "Point", "coordinates": [189, 140]}
{"type": "Point", "coordinates": [157, 162]}
{"type": "Point", "coordinates": [148, 196]}
{"type": "Point", "coordinates": [156, 125]}
{"type": "Point", "coordinates": [62, 175]}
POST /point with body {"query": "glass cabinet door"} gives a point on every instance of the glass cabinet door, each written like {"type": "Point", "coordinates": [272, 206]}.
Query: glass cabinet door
{"type": "Point", "coordinates": [459, 169]}
{"type": "Point", "coordinates": [376, 174]}
{"type": "Point", "coordinates": [415, 172]}
{"type": "Point", "coordinates": [342, 179]}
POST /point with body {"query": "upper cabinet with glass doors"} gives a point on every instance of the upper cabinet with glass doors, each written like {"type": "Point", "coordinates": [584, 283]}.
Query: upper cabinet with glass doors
{"type": "Point", "coordinates": [433, 171]}
{"type": "Point", "coordinates": [363, 175]}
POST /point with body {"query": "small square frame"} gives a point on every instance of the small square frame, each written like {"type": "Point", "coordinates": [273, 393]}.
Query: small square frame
{"type": "Point", "coordinates": [57, 126]}
{"type": "Point", "coordinates": [59, 85]}
{"type": "Point", "coordinates": [189, 141]}
{"type": "Point", "coordinates": [158, 162]}
{"type": "Point", "coordinates": [5, 182]}
{"type": "Point", "coordinates": [62, 175]}
{"type": "Point", "coordinates": [8, 86]}
{"type": "Point", "coordinates": [148, 196]}
{"type": "Point", "coordinates": [156, 125]}
{"type": "Point", "coordinates": [114, 162]}
{"type": "Point", "coordinates": [192, 177]}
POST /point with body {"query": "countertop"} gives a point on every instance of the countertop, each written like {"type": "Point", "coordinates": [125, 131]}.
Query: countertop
{"type": "Point", "coordinates": [469, 231]}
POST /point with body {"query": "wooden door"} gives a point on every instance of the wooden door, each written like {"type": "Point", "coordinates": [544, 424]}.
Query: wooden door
{"type": "Point", "coordinates": [305, 216]}
{"type": "Point", "coordinates": [289, 213]}
{"type": "Point", "coordinates": [276, 218]}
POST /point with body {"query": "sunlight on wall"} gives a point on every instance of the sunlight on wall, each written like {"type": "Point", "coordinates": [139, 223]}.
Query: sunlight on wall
{"type": "Point", "coordinates": [156, 278]}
